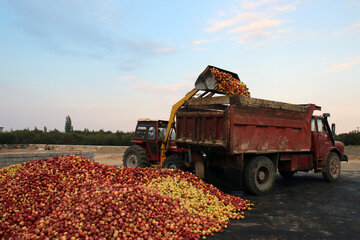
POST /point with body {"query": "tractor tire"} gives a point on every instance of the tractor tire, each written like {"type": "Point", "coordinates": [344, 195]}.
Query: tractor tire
{"type": "Point", "coordinates": [259, 175]}
{"type": "Point", "coordinates": [136, 156]}
{"type": "Point", "coordinates": [332, 169]}
{"type": "Point", "coordinates": [173, 161]}
{"type": "Point", "coordinates": [287, 175]}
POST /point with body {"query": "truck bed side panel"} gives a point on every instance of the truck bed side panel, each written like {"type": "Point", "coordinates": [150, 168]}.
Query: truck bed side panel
{"type": "Point", "coordinates": [264, 130]}
{"type": "Point", "coordinates": [246, 128]}
{"type": "Point", "coordinates": [202, 129]}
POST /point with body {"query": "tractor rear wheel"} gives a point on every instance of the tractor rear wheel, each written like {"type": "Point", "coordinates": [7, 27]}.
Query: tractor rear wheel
{"type": "Point", "coordinates": [136, 156]}
{"type": "Point", "coordinates": [332, 169]}
{"type": "Point", "coordinates": [259, 175]}
{"type": "Point", "coordinates": [173, 161]}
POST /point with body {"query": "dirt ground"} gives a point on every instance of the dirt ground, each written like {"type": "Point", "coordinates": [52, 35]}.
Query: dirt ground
{"type": "Point", "coordinates": [112, 155]}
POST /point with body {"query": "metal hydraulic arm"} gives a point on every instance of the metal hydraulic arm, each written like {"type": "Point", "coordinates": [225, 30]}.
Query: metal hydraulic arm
{"type": "Point", "coordinates": [165, 144]}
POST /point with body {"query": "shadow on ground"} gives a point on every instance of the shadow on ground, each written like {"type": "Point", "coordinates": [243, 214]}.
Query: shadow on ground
{"type": "Point", "coordinates": [304, 207]}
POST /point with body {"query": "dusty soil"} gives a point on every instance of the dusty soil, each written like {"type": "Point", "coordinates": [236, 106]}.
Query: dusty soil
{"type": "Point", "coordinates": [111, 155]}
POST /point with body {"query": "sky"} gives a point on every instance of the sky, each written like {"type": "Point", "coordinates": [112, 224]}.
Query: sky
{"type": "Point", "coordinates": [107, 63]}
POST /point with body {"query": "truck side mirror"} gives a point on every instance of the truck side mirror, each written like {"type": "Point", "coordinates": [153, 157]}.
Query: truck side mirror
{"type": "Point", "coordinates": [333, 128]}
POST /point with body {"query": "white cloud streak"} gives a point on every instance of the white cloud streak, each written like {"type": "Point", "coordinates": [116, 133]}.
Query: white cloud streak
{"type": "Point", "coordinates": [255, 4]}
{"type": "Point", "coordinates": [237, 19]}
{"type": "Point", "coordinates": [344, 65]}
{"type": "Point", "coordinates": [204, 41]}
{"type": "Point", "coordinates": [256, 26]}
{"type": "Point", "coordinates": [285, 8]}
{"type": "Point", "coordinates": [285, 30]}
{"type": "Point", "coordinates": [355, 27]}
{"type": "Point", "coordinates": [257, 21]}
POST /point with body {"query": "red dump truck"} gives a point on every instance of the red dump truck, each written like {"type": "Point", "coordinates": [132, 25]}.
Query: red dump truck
{"type": "Point", "coordinates": [246, 140]}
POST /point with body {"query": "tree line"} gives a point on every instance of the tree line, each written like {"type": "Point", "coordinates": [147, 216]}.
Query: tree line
{"type": "Point", "coordinates": [85, 137]}
{"type": "Point", "coordinates": [101, 137]}
{"type": "Point", "coordinates": [351, 138]}
{"type": "Point", "coordinates": [70, 137]}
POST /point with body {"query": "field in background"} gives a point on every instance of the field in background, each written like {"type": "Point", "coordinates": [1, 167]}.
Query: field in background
{"type": "Point", "coordinates": [112, 155]}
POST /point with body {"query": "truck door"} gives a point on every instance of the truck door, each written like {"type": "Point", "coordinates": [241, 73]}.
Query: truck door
{"type": "Point", "coordinates": [314, 141]}
{"type": "Point", "coordinates": [324, 142]}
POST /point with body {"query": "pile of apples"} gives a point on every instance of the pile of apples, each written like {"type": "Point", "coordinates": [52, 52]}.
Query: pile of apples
{"type": "Point", "coordinates": [8, 171]}
{"type": "Point", "coordinates": [229, 85]}
{"type": "Point", "coordinates": [71, 197]}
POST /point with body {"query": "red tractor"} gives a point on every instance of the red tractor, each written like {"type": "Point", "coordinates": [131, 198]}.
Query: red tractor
{"type": "Point", "coordinates": [148, 138]}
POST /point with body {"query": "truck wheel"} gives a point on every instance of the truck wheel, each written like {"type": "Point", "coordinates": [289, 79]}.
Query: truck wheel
{"type": "Point", "coordinates": [259, 175]}
{"type": "Point", "coordinates": [332, 169]}
{"type": "Point", "coordinates": [136, 156]}
{"type": "Point", "coordinates": [173, 161]}
{"type": "Point", "coordinates": [287, 174]}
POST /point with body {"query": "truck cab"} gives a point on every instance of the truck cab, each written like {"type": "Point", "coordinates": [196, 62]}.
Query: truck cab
{"type": "Point", "coordinates": [324, 145]}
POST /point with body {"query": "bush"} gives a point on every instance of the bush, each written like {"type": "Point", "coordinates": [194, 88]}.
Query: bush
{"type": "Point", "coordinates": [351, 138]}
{"type": "Point", "coordinates": [85, 137]}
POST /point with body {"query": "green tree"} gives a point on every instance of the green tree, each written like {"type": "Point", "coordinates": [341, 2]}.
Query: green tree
{"type": "Point", "coordinates": [68, 125]}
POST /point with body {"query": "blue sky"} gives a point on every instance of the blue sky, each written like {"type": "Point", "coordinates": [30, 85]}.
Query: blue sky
{"type": "Point", "coordinates": [108, 63]}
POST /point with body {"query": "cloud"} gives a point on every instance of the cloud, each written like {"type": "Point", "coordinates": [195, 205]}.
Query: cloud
{"type": "Point", "coordinates": [256, 20]}
{"type": "Point", "coordinates": [255, 26]}
{"type": "Point", "coordinates": [285, 8]}
{"type": "Point", "coordinates": [198, 42]}
{"type": "Point", "coordinates": [237, 19]}
{"type": "Point", "coordinates": [204, 41]}
{"type": "Point", "coordinates": [285, 30]}
{"type": "Point", "coordinates": [130, 78]}
{"type": "Point", "coordinates": [345, 65]}
{"type": "Point", "coordinates": [255, 4]}
{"type": "Point", "coordinates": [257, 34]}
{"type": "Point", "coordinates": [148, 87]}
{"type": "Point", "coordinates": [355, 27]}
{"type": "Point", "coordinates": [89, 28]}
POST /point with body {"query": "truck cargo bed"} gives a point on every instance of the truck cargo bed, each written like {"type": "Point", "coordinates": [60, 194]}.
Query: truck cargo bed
{"type": "Point", "coordinates": [244, 125]}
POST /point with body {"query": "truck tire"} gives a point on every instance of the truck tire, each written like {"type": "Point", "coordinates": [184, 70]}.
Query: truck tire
{"type": "Point", "coordinates": [136, 156]}
{"type": "Point", "coordinates": [259, 175]}
{"type": "Point", "coordinates": [287, 174]}
{"type": "Point", "coordinates": [332, 169]}
{"type": "Point", "coordinates": [173, 161]}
